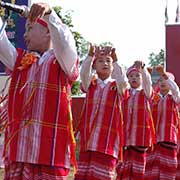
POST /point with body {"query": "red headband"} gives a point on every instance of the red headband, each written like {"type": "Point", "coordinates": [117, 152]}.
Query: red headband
{"type": "Point", "coordinates": [130, 69]}
{"type": "Point", "coordinates": [42, 22]}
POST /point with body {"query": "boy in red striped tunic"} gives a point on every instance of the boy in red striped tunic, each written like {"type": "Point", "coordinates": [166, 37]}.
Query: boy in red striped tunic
{"type": "Point", "coordinates": [165, 116]}
{"type": "Point", "coordinates": [101, 122]}
{"type": "Point", "coordinates": [38, 138]}
{"type": "Point", "coordinates": [138, 127]}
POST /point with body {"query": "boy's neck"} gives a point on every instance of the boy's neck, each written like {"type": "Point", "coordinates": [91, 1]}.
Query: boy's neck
{"type": "Point", "coordinates": [103, 77]}
{"type": "Point", "coordinates": [137, 87]}
{"type": "Point", "coordinates": [164, 92]}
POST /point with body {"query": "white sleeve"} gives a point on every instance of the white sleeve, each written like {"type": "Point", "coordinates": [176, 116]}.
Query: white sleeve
{"type": "Point", "coordinates": [63, 43]}
{"type": "Point", "coordinates": [8, 52]}
{"type": "Point", "coordinates": [146, 83]}
{"type": "Point", "coordinates": [119, 75]}
{"type": "Point", "coordinates": [86, 73]}
{"type": "Point", "coordinates": [174, 89]}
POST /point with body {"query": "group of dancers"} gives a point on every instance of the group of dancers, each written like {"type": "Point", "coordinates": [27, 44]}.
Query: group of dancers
{"type": "Point", "coordinates": [129, 130]}
{"type": "Point", "coordinates": [127, 123]}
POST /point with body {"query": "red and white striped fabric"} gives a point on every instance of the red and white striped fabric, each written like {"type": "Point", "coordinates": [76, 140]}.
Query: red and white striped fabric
{"type": "Point", "coordinates": [178, 165]}
{"type": "Point", "coordinates": [27, 171]}
{"type": "Point", "coordinates": [3, 113]}
{"type": "Point", "coordinates": [101, 122]}
{"type": "Point", "coordinates": [38, 130]}
{"type": "Point", "coordinates": [133, 166]}
{"type": "Point", "coordinates": [137, 118]}
{"type": "Point", "coordinates": [164, 165]}
{"type": "Point", "coordinates": [150, 155]}
{"type": "Point", "coordinates": [95, 166]}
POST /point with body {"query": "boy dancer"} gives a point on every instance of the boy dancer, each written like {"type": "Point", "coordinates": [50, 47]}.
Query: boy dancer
{"type": "Point", "coordinates": [138, 125]}
{"type": "Point", "coordinates": [101, 123]}
{"type": "Point", "coordinates": [165, 116]}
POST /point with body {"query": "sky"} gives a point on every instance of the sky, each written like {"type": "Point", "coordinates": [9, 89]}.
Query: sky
{"type": "Point", "coordinates": [136, 28]}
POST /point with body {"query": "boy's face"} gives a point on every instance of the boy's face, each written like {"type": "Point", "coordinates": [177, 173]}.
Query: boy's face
{"type": "Point", "coordinates": [163, 86]}
{"type": "Point", "coordinates": [104, 67]}
{"type": "Point", "coordinates": [35, 36]}
{"type": "Point", "coordinates": [135, 79]}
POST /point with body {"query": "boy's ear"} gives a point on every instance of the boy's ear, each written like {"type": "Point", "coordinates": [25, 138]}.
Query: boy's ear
{"type": "Point", "coordinates": [48, 34]}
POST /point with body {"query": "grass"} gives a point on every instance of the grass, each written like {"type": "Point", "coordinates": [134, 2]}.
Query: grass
{"type": "Point", "coordinates": [70, 177]}
{"type": "Point", "coordinates": [2, 174]}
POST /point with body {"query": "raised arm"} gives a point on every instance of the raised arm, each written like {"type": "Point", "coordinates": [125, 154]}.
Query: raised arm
{"type": "Point", "coordinates": [147, 82]}
{"type": "Point", "coordinates": [61, 36]}
{"type": "Point", "coordinates": [169, 78]}
{"type": "Point", "coordinates": [174, 89]}
{"type": "Point", "coordinates": [86, 69]}
{"type": "Point", "coordinates": [146, 78]}
{"type": "Point", "coordinates": [63, 44]}
{"type": "Point", "coordinates": [118, 74]}
{"type": "Point", "coordinates": [8, 52]}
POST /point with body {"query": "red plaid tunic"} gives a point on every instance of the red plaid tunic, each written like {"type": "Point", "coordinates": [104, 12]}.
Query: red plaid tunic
{"type": "Point", "coordinates": [38, 130]}
{"type": "Point", "coordinates": [165, 116]}
{"type": "Point", "coordinates": [101, 123]}
{"type": "Point", "coordinates": [137, 120]}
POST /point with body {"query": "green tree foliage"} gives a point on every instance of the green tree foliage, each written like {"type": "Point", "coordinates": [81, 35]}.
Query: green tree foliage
{"type": "Point", "coordinates": [156, 59]}
{"type": "Point", "coordinates": [106, 44]}
{"type": "Point", "coordinates": [76, 88]}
